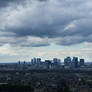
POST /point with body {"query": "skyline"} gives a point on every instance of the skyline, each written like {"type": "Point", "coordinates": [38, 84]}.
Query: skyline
{"type": "Point", "coordinates": [45, 29]}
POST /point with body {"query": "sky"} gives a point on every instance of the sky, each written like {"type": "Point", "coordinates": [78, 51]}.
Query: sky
{"type": "Point", "coordinates": [45, 29]}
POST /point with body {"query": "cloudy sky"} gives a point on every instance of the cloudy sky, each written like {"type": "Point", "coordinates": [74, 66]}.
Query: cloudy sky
{"type": "Point", "coordinates": [46, 29]}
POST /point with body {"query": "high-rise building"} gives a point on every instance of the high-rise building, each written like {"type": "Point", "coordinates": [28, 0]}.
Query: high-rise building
{"type": "Point", "coordinates": [48, 64]}
{"type": "Point", "coordinates": [19, 62]}
{"type": "Point", "coordinates": [82, 62]}
{"type": "Point", "coordinates": [75, 62]}
{"type": "Point", "coordinates": [38, 60]}
{"type": "Point", "coordinates": [56, 61]}
{"type": "Point", "coordinates": [67, 61]}
{"type": "Point", "coordinates": [33, 61]}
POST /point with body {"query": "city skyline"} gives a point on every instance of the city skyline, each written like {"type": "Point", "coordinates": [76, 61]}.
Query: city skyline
{"type": "Point", "coordinates": [45, 29]}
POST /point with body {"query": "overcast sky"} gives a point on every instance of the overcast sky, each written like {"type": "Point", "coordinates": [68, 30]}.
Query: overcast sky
{"type": "Point", "coordinates": [46, 29]}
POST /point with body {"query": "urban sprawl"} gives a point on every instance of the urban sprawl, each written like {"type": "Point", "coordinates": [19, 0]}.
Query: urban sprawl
{"type": "Point", "coordinates": [72, 75]}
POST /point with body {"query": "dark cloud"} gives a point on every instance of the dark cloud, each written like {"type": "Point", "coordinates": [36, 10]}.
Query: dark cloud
{"type": "Point", "coordinates": [64, 22]}
{"type": "Point", "coordinates": [4, 3]}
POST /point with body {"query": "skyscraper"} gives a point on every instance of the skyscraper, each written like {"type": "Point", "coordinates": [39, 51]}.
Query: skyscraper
{"type": "Point", "coordinates": [56, 61]}
{"type": "Point", "coordinates": [75, 61]}
{"type": "Point", "coordinates": [67, 61]}
{"type": "Point", "coordinates": [81, 62]}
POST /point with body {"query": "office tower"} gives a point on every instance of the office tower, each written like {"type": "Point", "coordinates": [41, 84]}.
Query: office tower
{"type": "Point", "coordinates": [82, 62]}
{"type": "Point", "coordinates": [19, 62]}
{"type": "Point", "coordinates": [48, 64]}
{"type": "Point", "coordinates": [24, 62]}
{"type": "Point", "coordinates": [34, 60]}
{"type": "Point", "coordinates": [56, 61]}
{"type": "Point", "coordinates": [67, 61]}
{"type": "Point", "coordinates": [75, 62]}
{"type": "Point", "coordinates": [38, 60]}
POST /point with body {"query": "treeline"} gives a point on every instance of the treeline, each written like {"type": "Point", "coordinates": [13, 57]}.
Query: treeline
{"type": "Point", "coordinates": [20, 88]}
{"type": "Point", "coordinates": [15, 88]}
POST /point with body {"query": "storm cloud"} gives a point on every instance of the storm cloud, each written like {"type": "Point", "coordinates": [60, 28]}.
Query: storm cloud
{"type": "Point", "coordinates": [42, 22]}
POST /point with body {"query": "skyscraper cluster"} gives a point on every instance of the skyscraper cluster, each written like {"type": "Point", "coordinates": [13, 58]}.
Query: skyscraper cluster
{"type": "Point", "coordinates": [73, 62]}
{"type": "Point", "coordinates": [56, 63]}
{"type": "Point", "coordinates": [47, 64]}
